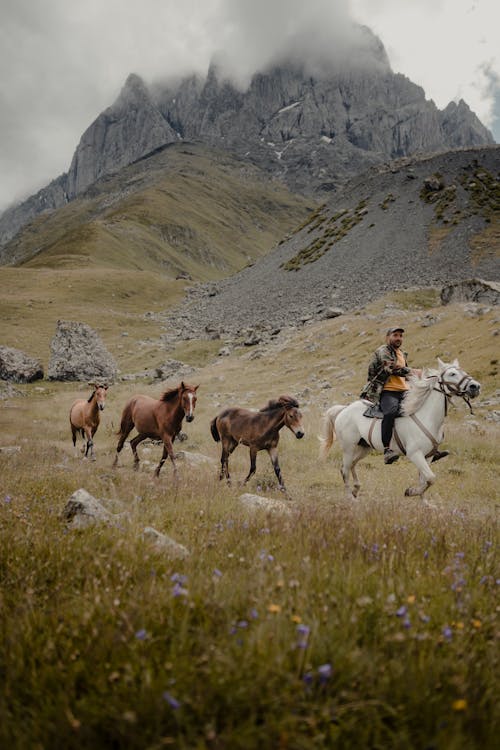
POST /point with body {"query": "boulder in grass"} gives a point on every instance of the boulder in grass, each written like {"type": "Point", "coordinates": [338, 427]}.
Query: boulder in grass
{"type": "Point", "coordinates": [472, 290]}
{"type": "Point", "coordinates": [18, 367]}
{"type": "Point", "coordinates": [257, 502]}
{"type": "Point", "coordinates": [77, 353]}
{"type": "Point", "coordinates": [83, 510]}
{"type": "Point", "coordinates": [164, 543]}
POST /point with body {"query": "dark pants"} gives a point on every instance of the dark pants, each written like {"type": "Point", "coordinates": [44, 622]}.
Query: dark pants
{"type": "Point", "coordinates": [390, 402]}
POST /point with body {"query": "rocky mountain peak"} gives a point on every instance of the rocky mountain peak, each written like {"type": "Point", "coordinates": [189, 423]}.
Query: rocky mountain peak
{"type": "Point", "coordinates": [312, 125]}
{"type": "Point", "coordinates": [134, 91]}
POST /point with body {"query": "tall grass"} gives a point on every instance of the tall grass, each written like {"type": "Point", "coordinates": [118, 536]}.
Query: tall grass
{"type": "Point", "coordinates": [369, 624]}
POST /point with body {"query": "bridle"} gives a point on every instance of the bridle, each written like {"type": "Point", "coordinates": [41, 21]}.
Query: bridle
{"type": "Point", "coordinates": [449, 389]}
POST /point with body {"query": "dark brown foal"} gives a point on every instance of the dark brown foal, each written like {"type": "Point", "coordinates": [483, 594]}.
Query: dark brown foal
{"type": "Point", "coordinates": [259, 430]}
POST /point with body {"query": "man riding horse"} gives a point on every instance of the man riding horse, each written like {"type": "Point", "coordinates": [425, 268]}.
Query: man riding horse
{"type": "Point", "coordinates": [387, 386]}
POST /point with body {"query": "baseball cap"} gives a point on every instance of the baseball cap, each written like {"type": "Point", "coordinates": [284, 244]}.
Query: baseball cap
{"type": "Point", "coordinates": [394, 329]}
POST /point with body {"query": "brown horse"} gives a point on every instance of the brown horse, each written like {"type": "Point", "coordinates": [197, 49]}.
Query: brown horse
{"type": "Point", "coordinates": [260, 430]}
{"type": "Point", "coordinates": [158, 419]}
{"type": "Point", "coordinates": [84, 417]}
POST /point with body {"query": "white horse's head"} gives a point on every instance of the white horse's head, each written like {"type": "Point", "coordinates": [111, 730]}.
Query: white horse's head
{"type": "Point", "coordinates": [457, 382]}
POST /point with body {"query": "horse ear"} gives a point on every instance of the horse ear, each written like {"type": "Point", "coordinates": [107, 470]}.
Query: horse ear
{"type": "Point", "coordinates": [196, 387]}
{"type": "Point", "coordinates": [441, 364]}
{"type": "Point", "coordinates": [455, 363]}
{"type": "Point", "coordinates": [182, 385]}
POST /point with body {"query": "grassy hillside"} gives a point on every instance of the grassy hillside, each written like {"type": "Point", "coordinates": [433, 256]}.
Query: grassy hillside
{"type": "Point", "coordinates": [353, 625]}
{"type": "Point", "coordinates": [114, 255]}
{"type": "Point", "coordinates": [184, 210]}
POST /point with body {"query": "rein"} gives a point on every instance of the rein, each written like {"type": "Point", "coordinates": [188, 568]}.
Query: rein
{"type": "Point", "coordinates": [454, 390]}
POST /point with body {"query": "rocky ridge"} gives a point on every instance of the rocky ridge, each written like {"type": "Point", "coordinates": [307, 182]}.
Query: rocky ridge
{"type": "Point", "coordinates": [313, 132]}
{"type": "Point", "coordinates": [368, 258]}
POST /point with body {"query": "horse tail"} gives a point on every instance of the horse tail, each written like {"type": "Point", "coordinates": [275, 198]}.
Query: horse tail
{"type": "Point", "coordinates": [127, 422]}
{"type": "Point", "coordinates": [328, 435]}
{"type": "Point", "coordinates": [214, 430]}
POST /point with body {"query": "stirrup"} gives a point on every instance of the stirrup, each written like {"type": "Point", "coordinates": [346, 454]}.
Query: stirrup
{"type": "Point", "coordinates": [438, 455]}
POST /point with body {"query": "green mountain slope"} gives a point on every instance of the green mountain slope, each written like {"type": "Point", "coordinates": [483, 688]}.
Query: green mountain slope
{"type": "Point", "coordinates": [185, 210]}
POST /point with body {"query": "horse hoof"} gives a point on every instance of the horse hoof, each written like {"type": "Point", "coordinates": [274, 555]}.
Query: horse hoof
{"type": "Point", "coordinates": [411, 492]}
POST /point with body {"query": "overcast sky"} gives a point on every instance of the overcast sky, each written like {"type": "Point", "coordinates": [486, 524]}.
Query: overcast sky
{"type": "Point", "coordinates": [63, 61]}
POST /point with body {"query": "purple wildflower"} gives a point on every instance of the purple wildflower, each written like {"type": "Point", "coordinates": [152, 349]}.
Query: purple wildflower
{"type": "Point", "coordinates": [254, 614]}
{"type": "Point", "coordinates": [172, 702]}
{"type": "Point", "coordinates": [265, 556]}
{"type": "Point", "coordinates": [325, 672]}
{"type": "Point", "coordinates": [217, 573]}
{"type": "Point", "coordinates": [407, 622]}
{"type": "Point", "coordinates": [178, 578]}
{"type": "Point", "coordinates": [447, 633]}
{"type": "Point", "coordinates": [7, 499]}
{"type": "Point", "coordinates": [178, 590]}
{"type": "Point", "coordinates": [303, 631]}
{"type": "Point", "coordinates": [141, 634]}
{"type": "Point", "coordinates": [243, 624]}
{"type": "Point", "coordinates": [401, 611]}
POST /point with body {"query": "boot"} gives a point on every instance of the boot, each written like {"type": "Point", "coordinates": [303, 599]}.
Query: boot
{"type": "Point", "coordinates": [438, 455]}
{"type": "Point", "coordinates": [390, 456]}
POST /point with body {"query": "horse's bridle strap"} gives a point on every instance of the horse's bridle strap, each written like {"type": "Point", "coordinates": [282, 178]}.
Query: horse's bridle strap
{"type": "Point", "coordinates": [435, 444]}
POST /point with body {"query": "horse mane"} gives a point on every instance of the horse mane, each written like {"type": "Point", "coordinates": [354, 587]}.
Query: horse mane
{"type": "Point", "coordinates": [283, 402]}
{"type": "Point", "coordinates": [170, 395]}
{"type": "Point", "coordinates": [420, 387]}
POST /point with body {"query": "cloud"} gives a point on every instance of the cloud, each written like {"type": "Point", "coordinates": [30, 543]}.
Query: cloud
{"type": "Point", "coordinates": [492, 95]}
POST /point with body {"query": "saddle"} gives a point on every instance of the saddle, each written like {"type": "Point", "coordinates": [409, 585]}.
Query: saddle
{"type": "Point", "coordinates": [373, 412]}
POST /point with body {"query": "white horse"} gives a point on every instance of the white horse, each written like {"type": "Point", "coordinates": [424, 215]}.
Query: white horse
{"type": "Point", "coordinates": [417, 433]}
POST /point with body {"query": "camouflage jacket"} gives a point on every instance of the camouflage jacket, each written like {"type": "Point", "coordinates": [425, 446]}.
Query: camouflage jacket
{"type": "Point", "coordinates": [382, 365]}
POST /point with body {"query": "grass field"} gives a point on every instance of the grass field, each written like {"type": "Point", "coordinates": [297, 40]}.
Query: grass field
{"type": "Point", "coordinates": [367, 625]}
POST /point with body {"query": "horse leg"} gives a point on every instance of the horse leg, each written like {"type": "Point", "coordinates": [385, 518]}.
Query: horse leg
{"type": "Point", "coordinates": [133, 444]}
{"type": "Point", "coordinates": [126, 427]}
{"type": "Point", "coordinates": [273, 453]}
{"type": "Point", "coordinates": [427, 477]}
{"type": "Point", "coordinates": [168, 450]}
{"type": "Point", "coordinates": [90, 443]}
{"type": "Point", "coordinates": [253, 464]}
{"type": "Point", "coordinates": [84, 440]}
{"type": "Point", "coordinates": [346, 469]}
{"type": "Point", "coordinates": [227, 449]}
{"type": "Point", "coordinates": [359, 453]}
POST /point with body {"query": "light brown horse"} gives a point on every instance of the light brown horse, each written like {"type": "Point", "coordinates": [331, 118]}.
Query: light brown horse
{"type": "Point", "coordinates": [259, 430]}
{"type": "Point", "coordinates": [84, 417]}
{"type": "Point", "coordinates": [158, 419]}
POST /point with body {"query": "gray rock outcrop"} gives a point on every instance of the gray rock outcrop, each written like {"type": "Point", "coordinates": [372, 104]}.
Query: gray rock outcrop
{"type": "Point", "coordinates": [77, 353]}
{"type": "Point", "coordinates": [19, 367]}
{"type": "Point", "coordinates": [83, 510]}
{"type": "Point", "coordinates": [472, 290]}
{"type": "Point", "coordinates": [165, 544]}
{"type": "Point", "coordinates": [131, 128]}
